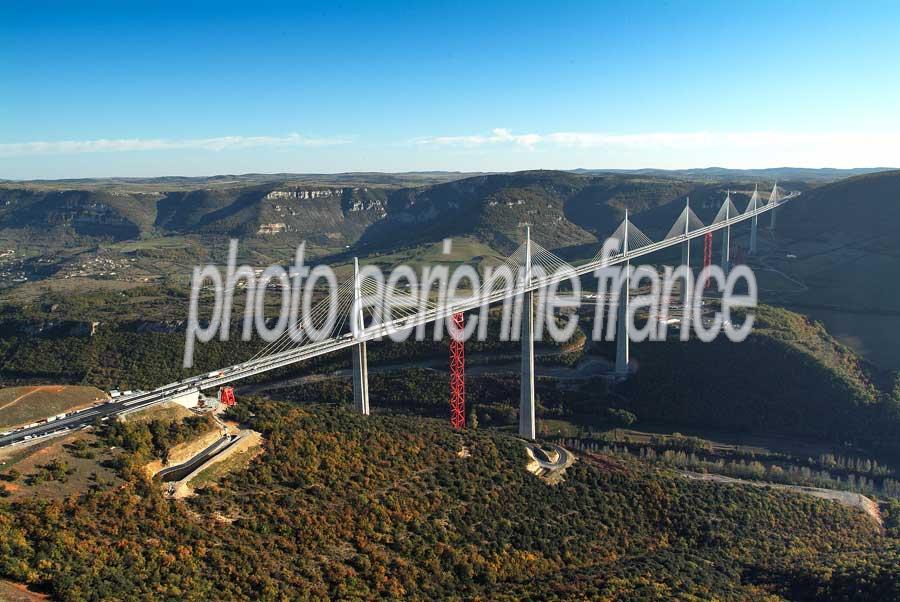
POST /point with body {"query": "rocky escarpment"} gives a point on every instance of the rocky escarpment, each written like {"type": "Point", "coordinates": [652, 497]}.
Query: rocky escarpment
{"type": "Point", "coordinates": [77, 213]}
{"type": "Point", "coordinates": [562, 208]}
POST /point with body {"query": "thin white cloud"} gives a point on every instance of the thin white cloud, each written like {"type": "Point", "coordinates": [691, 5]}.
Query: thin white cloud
{"type": "Point", "coordinates": [884, 143]}
{"type": "Point", "coordinates": [497, 136]}
{"type": "Point", "coordinates": [222, 143]}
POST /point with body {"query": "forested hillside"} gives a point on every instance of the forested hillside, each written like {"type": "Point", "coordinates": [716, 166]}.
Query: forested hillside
{"type": "Point", "coordinates": [788, 376]}
{"type": "Point", "coordinates": [75, 214]}
{"type": "Point", "coordinates": [865, 206]}
{"type": "Point", "coordinates": [341, 506]}
{"type": "Point", "coordinates": [564, 209]}
{"type": "Point", "coordinates": [837, 245]}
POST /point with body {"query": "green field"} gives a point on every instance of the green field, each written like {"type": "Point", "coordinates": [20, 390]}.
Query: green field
{"type": "Point", "coordinates": [852, 287]}
{"type": "Point", "coordinates": [165, 412]}
{"type": "Point", "coordinates": [21, 405]}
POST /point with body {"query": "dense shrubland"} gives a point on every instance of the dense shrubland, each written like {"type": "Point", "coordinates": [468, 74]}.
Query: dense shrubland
{"type": "Point", "coordinates": [344, 506]}
{"type": "Point", "coordinates": [789, 376]}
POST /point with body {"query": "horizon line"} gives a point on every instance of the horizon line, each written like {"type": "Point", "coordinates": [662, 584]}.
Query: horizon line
{"type": "Point", "coordinates": [448, 171]}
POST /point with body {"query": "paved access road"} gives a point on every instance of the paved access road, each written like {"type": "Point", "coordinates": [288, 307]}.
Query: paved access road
{"type": "Point", "coordinates": [179, 471]}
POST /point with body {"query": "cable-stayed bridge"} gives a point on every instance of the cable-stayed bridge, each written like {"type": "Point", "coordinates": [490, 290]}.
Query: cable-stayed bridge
{"type": "Point", "coordinates": [532, 266]}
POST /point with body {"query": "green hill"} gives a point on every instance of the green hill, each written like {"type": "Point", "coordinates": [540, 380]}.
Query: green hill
{"type": "Point", "coordinates": [563, 208]}
{"type": "Point", "coordinates": [865, 206]}
{"type": "Point", "coordinates": [724, 175]}
{"type": "Point", "coordinates": [374, 211]}
{"type": "Point", "coordinates": [788, 377]}
{"type": "Point", "coordinates": [838, 244]}
{"type": "Point", "coordinates": [345, 507]}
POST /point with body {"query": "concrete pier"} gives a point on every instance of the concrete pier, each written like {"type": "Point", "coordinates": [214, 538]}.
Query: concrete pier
{"type": "Point", "coordinates": [686, 250]}
{"type": "Point", "coordinates": [526, 393]}
{"type": "Point", "coordinates": [360, 365]}
{"type": "Point", "coordinates": [685, 261]}
{"type": "Point", "coordinates": [773, 199]}
{"type": "Point", "coordinates": [754, 223]}
{"type": "Point", "coordinates": [726, 236]}
{"type": "Point", "coordinates": [753, 236]}
{"type": "Point", "coordinates": [360, 379]}
{"type": "Point", "coordinates": [623, 329]}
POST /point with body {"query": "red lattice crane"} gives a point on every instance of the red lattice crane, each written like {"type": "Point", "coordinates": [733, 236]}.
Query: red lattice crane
{"type": "Point", "coordinates": [457, 373]}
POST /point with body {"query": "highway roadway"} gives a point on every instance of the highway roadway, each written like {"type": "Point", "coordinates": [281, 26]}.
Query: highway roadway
{"type": "Point", "coordinates": [122, 404]}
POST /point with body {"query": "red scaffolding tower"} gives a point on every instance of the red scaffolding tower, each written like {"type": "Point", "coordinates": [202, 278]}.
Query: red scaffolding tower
{"type": "Point", "coordinates": [457, 373]}
{"type": "Point", "coordinates": [226, 396]}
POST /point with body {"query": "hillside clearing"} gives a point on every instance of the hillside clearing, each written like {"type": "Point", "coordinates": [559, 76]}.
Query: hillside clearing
{"type": "Point", "coordinates": [21, 405]}
{"type": "Point", "coordinates": [846, 498]}
{"type": "Point", "coordinates": [57, 468]}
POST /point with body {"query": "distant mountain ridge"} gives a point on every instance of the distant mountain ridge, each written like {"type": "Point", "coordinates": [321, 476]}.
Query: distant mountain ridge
{"type": "Point", "coordinates": [563, 208]}
{"type": "Point", "coordinates": [401, 179]}
{"type": "Point", "coordinates": [170, 183]}
{"type": "Point", "coordinates": [807, 174]}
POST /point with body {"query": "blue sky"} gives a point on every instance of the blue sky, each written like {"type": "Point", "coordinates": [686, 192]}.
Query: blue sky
{"type": "Point", "coordinates": [105, 89]}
